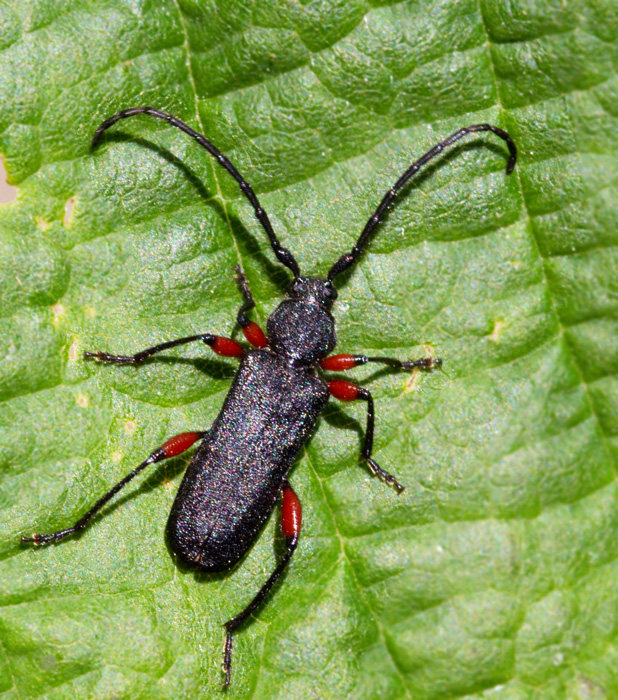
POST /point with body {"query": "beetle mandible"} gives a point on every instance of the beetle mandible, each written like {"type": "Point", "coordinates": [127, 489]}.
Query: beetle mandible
{"type": "Point", "coordinates": [241, 467]}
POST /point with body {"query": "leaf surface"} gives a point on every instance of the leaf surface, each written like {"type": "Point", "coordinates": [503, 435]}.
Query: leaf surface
{"type": "Point", "coordinates": [494, 574]}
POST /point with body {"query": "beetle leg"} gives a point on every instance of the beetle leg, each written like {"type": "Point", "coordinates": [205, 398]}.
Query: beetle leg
{"type": "Point", "coordinates": [220, 344]}
{"type": "Point", "coordinates": [346, 391]}
{"type": "Point", "coordinates": [291, 521]}
{"type": "Point", "coordinates": [339, 363]}
{"type": "Point", "coordinates": [253, 333]}
{"type": "Point", "coordinates": [172, 448]}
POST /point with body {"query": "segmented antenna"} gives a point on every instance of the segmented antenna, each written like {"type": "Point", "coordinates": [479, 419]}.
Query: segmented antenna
{"type": "Point", "coordinates": [350, 258]}
{"type": "Point", "coordinates": [283, 254]}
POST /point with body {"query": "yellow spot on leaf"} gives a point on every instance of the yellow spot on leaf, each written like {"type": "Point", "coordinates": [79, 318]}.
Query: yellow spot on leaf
{"type": "Point", "coordinates": [82, 401]}
{"type": "Point", "coordinates": [58, 311]}
{"type": "Point", "coordinates": [411, 382]}
{"type": "Point", "coordinates": [495, 334]}
{"type": "Point", "coordinates": [8, 193]}
{"type": "Point", "coordinates": [413, 379]}
{"type": "Point", "coordinates": [73, 352]}
{"type": "Point", "coordinates": [41, 223]}
{"type": "Point", "coordinates": [69, 208]}
{"type": "Point", "coordinates": [130, 427]}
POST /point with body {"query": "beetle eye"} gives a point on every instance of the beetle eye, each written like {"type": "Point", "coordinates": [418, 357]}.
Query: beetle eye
{"type": "Point", "coordinates": [293, 287]}
{"type": "Point", "coordinates": [329, 290]}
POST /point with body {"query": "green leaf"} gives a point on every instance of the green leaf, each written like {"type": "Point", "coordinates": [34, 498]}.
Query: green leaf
{"type": "Point", "coordinates": [494, 574]}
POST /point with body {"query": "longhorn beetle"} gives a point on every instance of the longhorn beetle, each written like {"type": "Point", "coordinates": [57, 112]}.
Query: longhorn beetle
{"type": "Point", "coordinates": [241, 466]}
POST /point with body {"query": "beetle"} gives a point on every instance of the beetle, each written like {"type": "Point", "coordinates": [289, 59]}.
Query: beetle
{"type": "Point", "coordinates": [241, 467]}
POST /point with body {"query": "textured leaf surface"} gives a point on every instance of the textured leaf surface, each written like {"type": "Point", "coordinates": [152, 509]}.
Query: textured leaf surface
{"type": "Point", "coordinates": [494, 574]}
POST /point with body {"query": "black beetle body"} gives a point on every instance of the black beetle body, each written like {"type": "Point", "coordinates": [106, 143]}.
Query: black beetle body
{"type": "Point", "coordinates": [232, 483]}
{"type": "Point", "coordinates": [234, 479]}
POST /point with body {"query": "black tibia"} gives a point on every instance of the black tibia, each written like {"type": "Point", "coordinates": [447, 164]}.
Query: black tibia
{"type": "Point", "coordinates": [423, 363]}
{"type": "Point", "coordinates": [375, 468]}
{"type": "Point", "coordinates": [207, 338]}
{"type": "Point", "coordinates": [350, 258]}
{"type": "Point", "coordinates": [249, 303]}
{"type": "Point", "coordinates": [232, 625]}
{"type": "Point", "coordinates": [154, 457]}
{"type": "Point", "coordinates": [283, 254]}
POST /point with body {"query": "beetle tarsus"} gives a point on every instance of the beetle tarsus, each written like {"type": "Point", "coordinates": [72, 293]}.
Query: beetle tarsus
{"type": "Point", "coordinates": [106, 357]}
{"type": "Point", "coordinates": [34, 539]}
{"type": "Point", "coordinates": [383, 475]}
{"type": "Point", "coordinates": [227, 655]}
{"type": "Point", "coordinates": [423, 363]}
{"type": "Point", "coordinates": [38, 540]}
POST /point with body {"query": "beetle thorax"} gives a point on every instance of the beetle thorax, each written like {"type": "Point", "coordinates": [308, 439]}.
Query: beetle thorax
{"type": "Point", "coordinates": [302, 327]}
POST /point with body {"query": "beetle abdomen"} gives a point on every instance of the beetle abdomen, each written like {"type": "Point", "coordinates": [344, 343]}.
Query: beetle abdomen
{"type": "Point", "coordinates": [266, 418]}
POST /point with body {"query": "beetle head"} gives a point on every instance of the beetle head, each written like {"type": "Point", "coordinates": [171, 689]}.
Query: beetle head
{"type": "Point", "coordinates": [302, 327]}
{"type": "Point", "coordinates": [313, 289]}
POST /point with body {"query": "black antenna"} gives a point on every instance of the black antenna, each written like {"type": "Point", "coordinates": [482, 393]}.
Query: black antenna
{"type": "Point", "coordinates": [283, 254]}
{"type": "Point", "coordinates": [350, 258]}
